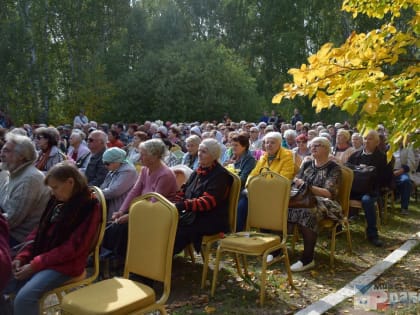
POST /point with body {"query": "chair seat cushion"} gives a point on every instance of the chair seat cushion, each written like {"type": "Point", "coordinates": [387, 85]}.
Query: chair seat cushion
{"type": "Point", "coordinates": [211, 238]}
{"type": "Point", "coordinates": [111, 296]}
{"type": "Point", "coordinates": [250, 242]}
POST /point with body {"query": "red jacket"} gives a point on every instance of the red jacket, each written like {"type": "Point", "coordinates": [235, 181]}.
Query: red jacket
{"type": "Point", "coordinates": [70, 257]}
{"type": "Point", "coordinates": [5, 263]}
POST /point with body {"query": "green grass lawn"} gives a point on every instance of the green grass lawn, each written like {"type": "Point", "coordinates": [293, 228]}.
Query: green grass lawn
{"type": "Point", "coordinates": [235, 295]}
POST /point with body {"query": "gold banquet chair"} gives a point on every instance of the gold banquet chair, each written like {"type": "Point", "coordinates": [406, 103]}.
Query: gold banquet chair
{"type": "Point", "coordinates": [344, 200]}
{"type": "Point", "coordinates": [152, 227]}
{"type": "Point", "coordinates": [209, 240]}
{"type": "Point", "coordinates": [268, 199]}
{"type": "Point", "coordinates": [45, 303]}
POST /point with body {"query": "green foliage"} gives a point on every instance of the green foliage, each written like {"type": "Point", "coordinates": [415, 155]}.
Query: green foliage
{"type": "Point", "coordinates": [189, 81]}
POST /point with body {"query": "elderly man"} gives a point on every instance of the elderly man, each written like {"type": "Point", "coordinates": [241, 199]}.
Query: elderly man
{"type": "Point", "coordinates": [96, 170]}
{"type": "Point", "coordinates": [371, 156]}
{"type": "Point", "coordinates": [23, 195]}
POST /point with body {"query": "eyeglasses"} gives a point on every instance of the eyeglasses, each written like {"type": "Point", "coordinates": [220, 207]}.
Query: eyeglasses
{"type": "Point", "coordinates": [40, 137]}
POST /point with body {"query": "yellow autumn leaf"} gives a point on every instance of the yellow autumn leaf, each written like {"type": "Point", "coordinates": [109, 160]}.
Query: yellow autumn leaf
{"type": "Point", "coordinates": [277, 98]}
{"type": "Point", "coordinates": [371, 105]}
{"type": "Point", "coordinates": [321, 101]}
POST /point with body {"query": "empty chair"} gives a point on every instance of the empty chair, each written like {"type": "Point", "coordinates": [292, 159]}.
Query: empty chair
{"type": "Point", "coordinates": [268, 196]}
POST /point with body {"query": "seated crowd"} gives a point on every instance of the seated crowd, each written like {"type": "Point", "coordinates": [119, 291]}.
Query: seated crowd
{"type": "Point", "coordinates": [48, 214]}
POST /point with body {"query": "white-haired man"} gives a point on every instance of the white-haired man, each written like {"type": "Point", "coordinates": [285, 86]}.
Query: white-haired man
{"type": "Point", "coordinates": [23, 195]}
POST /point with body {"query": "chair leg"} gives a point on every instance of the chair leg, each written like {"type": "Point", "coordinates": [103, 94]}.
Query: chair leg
{"type": "Point", "coordinates": [332, 251]}
{"type": "Point", "coordinates": [215, 271]}
{"type": "Point", "coordinates": [349, 243]}
{"type": "Point", "coordinates": [295, 237]}
{"type": "Point", "coordinates": [263, 280]}
{"type": "Point", "coordinates": [378, 216]}
{"type": "Point", "coordinates": [205, 251]}
{"type": "Point", "coordinates": [245, 265]}
{"type": "Point", "coordinates": [238, 265]}
{"type": "Point", "coordinates": [287, 265]}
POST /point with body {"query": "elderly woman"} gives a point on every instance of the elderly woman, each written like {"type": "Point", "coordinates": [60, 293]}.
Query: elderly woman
{"type": "Point", "coordinates": [343, 148]}
{"type": "Point", "coordinates": [190, 158]}
{"type": "Point", "coordinates": [205, 195]}
{"type": "Point", "coordinates": [301, 151]}
{"type": "Point", "coordinates": [120, 178]}
{"type": "Point", "coordinates": [133, 151]}
{"type": "Point", "coordinates": [154, 176]}
{"type": "Point", "coordinates": [276, 159]}
{"type": "Point", "coordinates": [57, 249]}
{"type": "Point", "coordinates": [290, 136]}
{"type": "Point", "coordinates": [357, 141]}
{"type": "Point", "coordinates": [49, 154]}
{"type": "Point", "coordinates": [323, 177]}
{"type": "Point", "coordinates": [78, 150]}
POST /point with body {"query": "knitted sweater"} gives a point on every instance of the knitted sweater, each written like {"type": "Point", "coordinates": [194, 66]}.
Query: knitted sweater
{"type": "Point", "coordinates": [23, 197]}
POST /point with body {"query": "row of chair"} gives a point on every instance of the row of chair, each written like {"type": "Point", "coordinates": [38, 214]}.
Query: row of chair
{"type": "Point", "coordinates": [150, 246]}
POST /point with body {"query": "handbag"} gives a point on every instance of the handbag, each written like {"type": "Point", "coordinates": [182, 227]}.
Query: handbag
{"type": "Point", "coordinates": [301, 197]}
{"type": "Point", "coordinates": [364, 179]}
{"type": "Point", "coordinates": [186, 218]}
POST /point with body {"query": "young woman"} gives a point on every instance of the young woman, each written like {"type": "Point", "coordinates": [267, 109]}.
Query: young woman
{"type": "Point", "coordinates": [57, 250]}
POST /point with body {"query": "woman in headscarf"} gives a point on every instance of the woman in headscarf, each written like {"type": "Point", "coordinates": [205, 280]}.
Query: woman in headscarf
{"type": "Point", "coordinates": [120, 178]}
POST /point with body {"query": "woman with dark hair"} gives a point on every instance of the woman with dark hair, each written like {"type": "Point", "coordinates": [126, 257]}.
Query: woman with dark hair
{"type": "Point", "coordinates": [242, 160]}
{"type": "Point", "coordinates": [49, 154]}
{"type": "Point", "coordinates": [114, 139]}
{"type": "Point", "coordinates": [174, 135]}
{"type": "Point", "coordinates": [57, 250]}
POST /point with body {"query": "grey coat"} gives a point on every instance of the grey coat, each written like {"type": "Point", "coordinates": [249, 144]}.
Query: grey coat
{"type": "Point", "coordinates": [117, 185]}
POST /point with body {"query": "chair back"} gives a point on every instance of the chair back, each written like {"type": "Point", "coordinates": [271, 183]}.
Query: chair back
{"type": "Point", "coordinates": [268, 200]}
{"type": "Point", "coordinates": [152, 227]}
{"type": "Point", "coordinates": [82, 280]}
{"type": "Point", "coordinates": [235, 190]}
{"type": "Point", "coordinates": [345, 189]}
{"type": "Point", "coordinates": [97, 241]}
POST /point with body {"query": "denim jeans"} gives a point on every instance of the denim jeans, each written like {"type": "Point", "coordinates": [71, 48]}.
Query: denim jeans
{"type": "Point", "coordinates": [242, 213]}
{"type": "Point", "coordinates": [404, 187]}
{"type": "Point", "coordinates": [368, 204]}
{"type": "Point", "coordinates": [28, 292]}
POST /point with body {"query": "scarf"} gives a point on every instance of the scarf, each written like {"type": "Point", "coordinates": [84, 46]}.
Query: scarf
{"type": "Point", "coordinates": [43, 159]}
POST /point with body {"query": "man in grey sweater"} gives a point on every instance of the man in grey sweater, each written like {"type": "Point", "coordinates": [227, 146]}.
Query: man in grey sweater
{"type": "Point", "coordinates": [23, 195]}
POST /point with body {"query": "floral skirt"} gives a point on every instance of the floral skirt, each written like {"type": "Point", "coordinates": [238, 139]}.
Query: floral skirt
{"type": "Point", "coordinates": [309, 218]}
